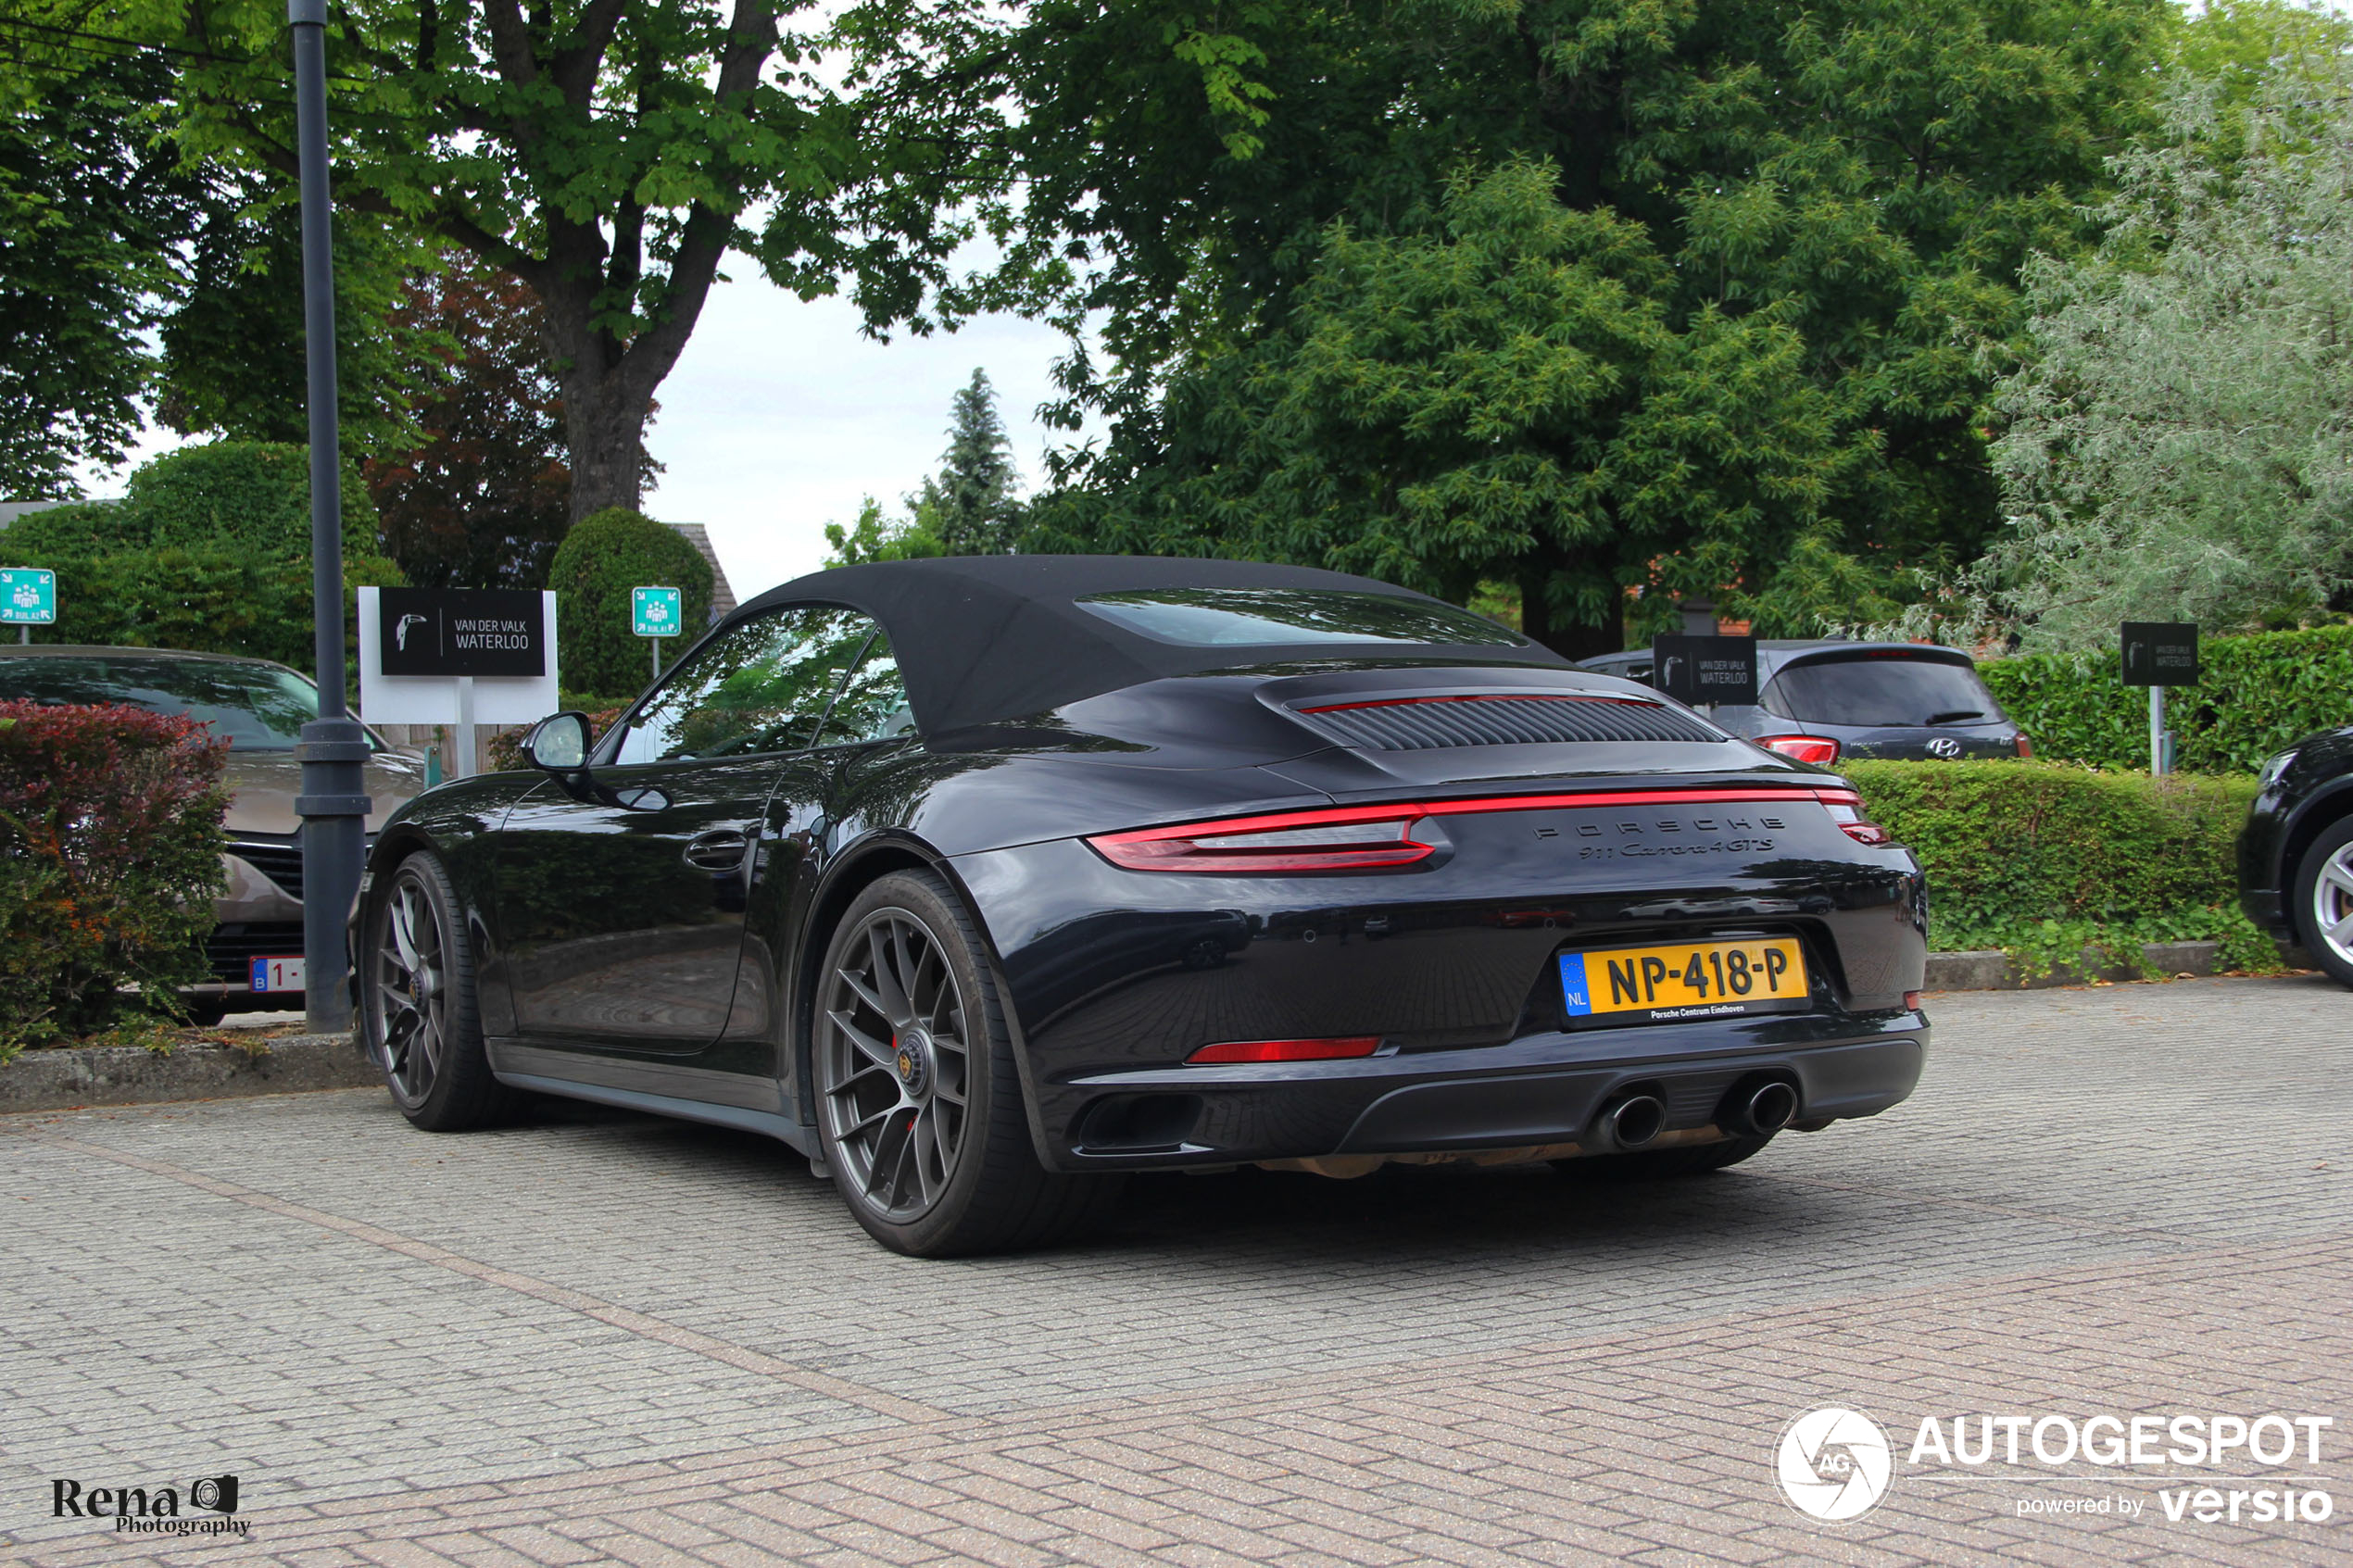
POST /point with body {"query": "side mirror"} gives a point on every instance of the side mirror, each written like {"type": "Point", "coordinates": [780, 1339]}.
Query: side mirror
{"type": "Point", "coordinates": [559, 743]}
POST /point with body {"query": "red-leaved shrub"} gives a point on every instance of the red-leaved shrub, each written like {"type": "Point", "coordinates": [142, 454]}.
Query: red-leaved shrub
{"type": "Point", "coordinates": [110, 860]}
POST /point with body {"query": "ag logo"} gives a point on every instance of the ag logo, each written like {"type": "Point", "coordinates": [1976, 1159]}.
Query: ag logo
{"type": "Point", "coordinates": [1834, 1464]}
{"type": "Point", "coordinates": [1944, 746]}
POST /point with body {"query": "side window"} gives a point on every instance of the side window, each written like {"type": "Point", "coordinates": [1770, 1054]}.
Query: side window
{"type": "Point", "coordinates": [762, 686]}
{"type": "Point", "coordinates": [873, 706]}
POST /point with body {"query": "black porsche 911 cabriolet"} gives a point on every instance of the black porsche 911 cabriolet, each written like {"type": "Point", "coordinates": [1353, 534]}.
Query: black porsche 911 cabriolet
{"type": "Point", "coordinates": [982, 881]}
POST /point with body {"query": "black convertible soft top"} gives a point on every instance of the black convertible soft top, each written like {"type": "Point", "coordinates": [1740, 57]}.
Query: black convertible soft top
{"type": "Point", "coordinates": [983, 638]}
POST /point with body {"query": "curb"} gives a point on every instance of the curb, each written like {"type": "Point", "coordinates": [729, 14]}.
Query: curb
{"type": "Point", "coordinates": [64, 1080]}
{"type": "Point", "coordinates": [1990, 969]}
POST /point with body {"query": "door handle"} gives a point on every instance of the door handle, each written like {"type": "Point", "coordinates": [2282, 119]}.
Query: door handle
{"type": "Point", "coordinates": [722, 849]}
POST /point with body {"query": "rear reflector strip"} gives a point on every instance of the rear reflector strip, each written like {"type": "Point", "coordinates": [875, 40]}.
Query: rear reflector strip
{"type": "Point", "coordinates": [1285, 1050]}
{"type": "Point", "coordinates": [1374, 837]}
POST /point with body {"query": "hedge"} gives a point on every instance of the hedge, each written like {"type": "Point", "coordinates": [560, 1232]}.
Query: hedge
{"type": "Point", "coordinates": [604, 556]}
{"type": "Point", "coordinates": [110, 860]}
{"type": "Point", "coordinates": [2045, 858]}
{"type": "Point", "coordinates": [209, 551]}
{"type": "Point", "coordinates": [2256, 696]}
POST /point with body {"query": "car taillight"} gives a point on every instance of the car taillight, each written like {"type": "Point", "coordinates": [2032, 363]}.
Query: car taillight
{"type": "Point", "coordinates": [1296, 841]}
{"type": "Point", "coordinates": [1344, 838]}
{"type": "Point", "coordinates": [1820, 750]}
{"type": "Point", "coordinates": [2025, 747]}
{"type": "Point", "coordinates": [1286, 1050]}
{"type": "Point", "coordinates": [1846, 808]}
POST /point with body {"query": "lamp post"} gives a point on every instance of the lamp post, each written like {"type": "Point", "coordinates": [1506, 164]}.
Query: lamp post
{"type": "Point", "coordinates": [334, 802]}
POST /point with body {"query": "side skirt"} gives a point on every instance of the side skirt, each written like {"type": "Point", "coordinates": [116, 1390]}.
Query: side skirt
{"type": "Point", "coordinates": [801, 1140]}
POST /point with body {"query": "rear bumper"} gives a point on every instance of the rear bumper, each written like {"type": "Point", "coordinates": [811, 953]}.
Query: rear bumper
{"type": "Point", "coordinates": [1539, 1092]}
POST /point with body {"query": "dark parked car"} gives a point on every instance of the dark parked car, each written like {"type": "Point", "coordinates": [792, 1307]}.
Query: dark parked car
{"type": "Point", "coordinates": [1820, 700]}
{"type": "Point", "coordinates": [981, 881]}
{"type": "Point", "coordinates": [259, 709]}
{"type": "Point", "coordinates": [2296, 854]}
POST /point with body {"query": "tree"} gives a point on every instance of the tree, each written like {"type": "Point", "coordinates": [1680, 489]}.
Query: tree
{"type": "Point", "coordinates": [483, 500]}
{"type": "Point", "coordinates": [969, 508]}
{"type": "Point", "coordinates": [603, 556]}
{"type": "Point", "coordinates": [89, 210]}
{"type": "Point", "coordinates": [877, 537]}
{"type": "Point", "coordinates": [1833, 200]}
{"type": "Point", "coordinates": [233, 362]}
{"type": "Point", "coordinates": [2181, 437]}
{"type": "Point", "coordinates": [608, 153]}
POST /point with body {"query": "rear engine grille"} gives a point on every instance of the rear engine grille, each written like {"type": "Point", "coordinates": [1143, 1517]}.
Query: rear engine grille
{"type": "Point", "coordinates": [282, 863]}
{"type": "Point", "coordinates": [232, 948]}
{"type": "Point", "coordinates": [1430, 723]}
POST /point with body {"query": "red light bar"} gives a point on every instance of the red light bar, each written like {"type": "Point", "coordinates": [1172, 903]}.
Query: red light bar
{"type": "Point", "coordinates": [1820, 750]}
{"type": "Point", "coordinates": [1372, 838]}
{"type": "Point", "coordinates": [1286, 1050]}
{"type": "Point", "coordinates": [1487, 697]}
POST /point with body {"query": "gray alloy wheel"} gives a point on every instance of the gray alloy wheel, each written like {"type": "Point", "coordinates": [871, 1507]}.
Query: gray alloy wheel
{"type": "Point", "coordinates": [417, 1003]}
{"type": "Point", "coordinates": [411, 1022]}
{"type": "Point", "coordinates": [895, 1063]}
{"type": "Point", "coordinates": [919, 1103]}
{"type": "Point", "coordinates": [2324, 894]}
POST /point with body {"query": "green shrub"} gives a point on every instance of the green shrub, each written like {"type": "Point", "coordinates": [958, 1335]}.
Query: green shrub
{"type": "Point", "coordinates": [2256, 696]}
{"type": "Point", "coordinates": [2047, 859]}
{"type": "Point", "coordinates": [110, 860]}
{"type": "Point", "coordinates": [604, 557]}
{"type": "Point", "coordinates": [211, 551]}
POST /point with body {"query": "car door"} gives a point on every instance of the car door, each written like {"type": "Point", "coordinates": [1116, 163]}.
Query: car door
{"type": "Point", "coordinates": [621, 898]}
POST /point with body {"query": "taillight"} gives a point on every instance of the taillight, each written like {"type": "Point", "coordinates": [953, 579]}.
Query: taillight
{"type": "Point", "coordinates": [1296, 841]}
{"type": "Point", "coordinates": [1345, 839]}
{"type": "Point", "coordinates": [2025, 747]}
{"type": "Point", "coordinates": [1846, 808]}
{"type": "Point", "coordinates": [1286, 1050]}
{"type": "Point", "coordinates": [1820, 750]}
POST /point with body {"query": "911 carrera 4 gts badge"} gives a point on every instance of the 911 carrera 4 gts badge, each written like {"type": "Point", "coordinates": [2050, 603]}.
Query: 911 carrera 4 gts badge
{"type": "Point", "coordinates": [1686, 980]}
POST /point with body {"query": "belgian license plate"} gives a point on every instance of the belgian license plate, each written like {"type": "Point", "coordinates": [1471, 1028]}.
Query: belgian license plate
{"type": "Point", "coordinates": [277, 975]}
{"type": "Point", "coordinates": [1686, 980]}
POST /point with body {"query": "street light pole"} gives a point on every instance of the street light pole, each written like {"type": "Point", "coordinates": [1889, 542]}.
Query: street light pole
{"type": "Point", "coordinates": [334, 802]}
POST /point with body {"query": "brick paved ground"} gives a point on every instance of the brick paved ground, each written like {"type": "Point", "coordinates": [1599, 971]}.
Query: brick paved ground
{"type": "Point", "coordinates": [603, 1338]}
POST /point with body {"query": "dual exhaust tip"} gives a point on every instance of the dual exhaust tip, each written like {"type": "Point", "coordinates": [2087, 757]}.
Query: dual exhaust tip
{"type": "Point", "coordinates": [1751, 1111]}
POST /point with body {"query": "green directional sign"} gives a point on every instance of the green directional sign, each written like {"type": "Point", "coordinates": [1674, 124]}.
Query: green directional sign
{"type": "Point", "coordinates": [655, 612]}
{"type": "Point", "coordinates": [28, 596]}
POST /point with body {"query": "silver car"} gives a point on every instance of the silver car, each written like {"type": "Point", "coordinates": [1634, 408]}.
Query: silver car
{"type": "Point", "coordinates": [259, 709]}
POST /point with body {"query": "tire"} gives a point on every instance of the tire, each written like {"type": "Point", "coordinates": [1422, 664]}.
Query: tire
{"type": "Point", "coordinates": [1662, 1164]}
{"type": "Point", "coordinates": [417, 1002]}
{"type": "Point", "coordinates": [2324, 895]}
{"type": "Point", "coordinates": [918, 1101]}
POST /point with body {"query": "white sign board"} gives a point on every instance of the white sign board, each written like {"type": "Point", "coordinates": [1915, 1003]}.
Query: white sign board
{"type": "Point", "coordinates": [449, 699]}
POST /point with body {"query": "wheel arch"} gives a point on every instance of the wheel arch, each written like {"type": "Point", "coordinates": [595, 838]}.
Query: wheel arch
{"type": "Point", "coordinates": [2312, 819]}
{"type": "Point", "coordinates": [853, 869]}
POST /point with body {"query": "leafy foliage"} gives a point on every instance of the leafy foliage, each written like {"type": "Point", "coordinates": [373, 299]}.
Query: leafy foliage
{"type": "Point", "coordinates": [2180, 444]}
{"type": "Point", "coordinates": [970, 507]}
{"type": "Point", "coordinates": [2256, 696]}
{"type": "Point", "coordinates": [484, 497]}
{"type": "Point", "coordinates": [603, 557]}
{"type": "Point", "coordinates": [209, 551]}
{"type": "Point", "coordinates": [89, 209]}
{"type": "Point", "coordinates": [877, 537]}
{"type": "Point", "coordinates": [1825, 205]}
{"type": "Point", "coordinates": [2045, 860]}
{"type": "Point", "coordinates": [110, 858]}
{"type": "Point", "coordinates": [233, 361]}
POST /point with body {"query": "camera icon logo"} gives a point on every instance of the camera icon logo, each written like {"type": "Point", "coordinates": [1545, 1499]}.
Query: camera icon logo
{"type": "Point", "coordinates": [218, 1493]}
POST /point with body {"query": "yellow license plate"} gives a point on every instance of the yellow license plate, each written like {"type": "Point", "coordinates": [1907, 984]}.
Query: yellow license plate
{"type": "Point", "coordinates": [1686, 980]}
